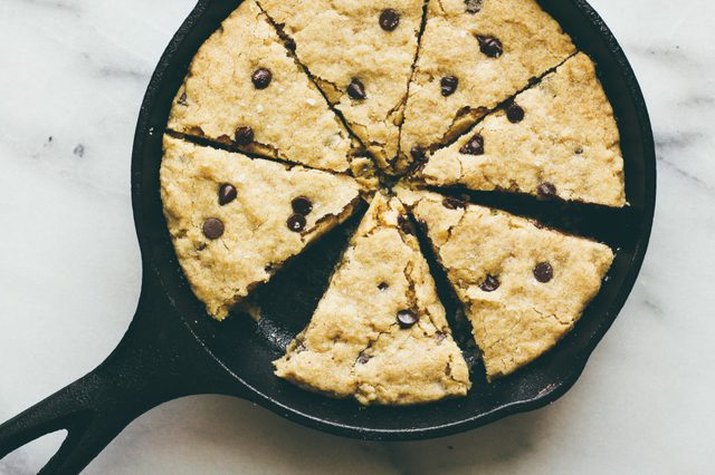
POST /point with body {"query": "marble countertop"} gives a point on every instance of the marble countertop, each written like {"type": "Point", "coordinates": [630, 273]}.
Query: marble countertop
{"type": "Point", "coordinates": [74, 73]}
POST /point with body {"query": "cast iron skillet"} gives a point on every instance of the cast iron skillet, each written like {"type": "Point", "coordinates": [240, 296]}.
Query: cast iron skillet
{"type": "Point", "coordinates": [173, 349]}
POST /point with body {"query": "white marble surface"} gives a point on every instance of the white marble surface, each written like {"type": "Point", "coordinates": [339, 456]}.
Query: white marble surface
{"type": "Point", "coordinates": [73, 76]}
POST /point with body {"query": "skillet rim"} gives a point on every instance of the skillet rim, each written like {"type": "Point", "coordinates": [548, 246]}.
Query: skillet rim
{"type": "Point", "coordinates": [145, 129]}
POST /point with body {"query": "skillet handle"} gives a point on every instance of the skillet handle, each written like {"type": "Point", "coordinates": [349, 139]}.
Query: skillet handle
{"type": "Point", "coordinates": [157, 360]}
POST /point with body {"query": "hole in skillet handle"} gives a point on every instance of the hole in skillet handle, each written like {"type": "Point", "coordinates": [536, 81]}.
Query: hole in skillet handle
{"type": "Point", "coordinates": [31, 457]}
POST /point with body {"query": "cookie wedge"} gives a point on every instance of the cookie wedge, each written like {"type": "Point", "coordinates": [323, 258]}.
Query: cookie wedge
{"type": "Point", "coordinates": [557, 139]}
{"type": "Point", "coordinates": [523, 287]}
{"type": "Point", "coordinates": [361, 55]}
{"type": "Point", "coordinates": [235, 220]}
{"type": "Point", "coordinates": [379, 331]}
{"type": "Point", "coordinates": [243, 89]}
{"type": "Point", "coordinates": [474, 55]}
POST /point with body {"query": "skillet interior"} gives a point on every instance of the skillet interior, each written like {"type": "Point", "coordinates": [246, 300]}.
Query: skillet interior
{"type": "Point", "coordinates": [246, 349]}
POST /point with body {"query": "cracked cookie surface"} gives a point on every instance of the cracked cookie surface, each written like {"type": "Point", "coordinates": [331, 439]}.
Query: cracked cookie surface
{"type": "Point", "coordinates": [379, 333]}
{"type": "Point", "coordinates": [244, 89]}
{"type": "Point", "coordinates": [559, 137]}
{"type": "Point", "coordinates": [523, 287]}
{"type": "Point", "coordinates": [361, 55]}
{"type": "Point", "coordinates": [473, 56]}
{"type": "Point", "coordinates": [286, 80]}
{"type": "Point", "coordinates": [234, 220]}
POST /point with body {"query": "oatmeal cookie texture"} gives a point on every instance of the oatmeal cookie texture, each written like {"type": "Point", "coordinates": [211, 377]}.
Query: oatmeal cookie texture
{"type": "Point", "coordinates": [235, 220]}
{"type": "Point", "coordinates": [244, 89]}
{"type": "Point", "coordinates": [523, 287]}
{"type": "Point", "coordinates": [558, 138]}
{"type": "Point", "coordinates": [379, 332]}
{"type": "Point", "coordinates": [361, 55]}
{"type": "Point", "coordinates": [473, 56]}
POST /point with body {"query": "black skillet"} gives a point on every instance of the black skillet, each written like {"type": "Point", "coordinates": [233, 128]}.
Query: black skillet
{"type": "Point", "coordinates": [173, 349]}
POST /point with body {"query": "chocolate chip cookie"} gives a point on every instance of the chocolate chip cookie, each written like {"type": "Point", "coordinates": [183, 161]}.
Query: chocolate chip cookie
{"type": "Point", "coordinates": [483, 94]}
{"type": "Point", "coordinates": [556, 139]}
{"type": "Point", "coordinates": [361, 55]}
{"type": "Point", "coordinates": [243, 89]}
{"type": "Point", "coordinates": [473, 56]}
{"type": "Point", "coordinates": [523, 287]}
{"type": "Point", "coordinates": [379, 333]}
{"type": "Point", "coordinates": [234, 220]}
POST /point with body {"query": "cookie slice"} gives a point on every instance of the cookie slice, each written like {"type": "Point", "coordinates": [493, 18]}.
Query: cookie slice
{"type": "Point", "coordinates": [361, 55]}
{"type": "Point", "coordinates": [523, 287]}
{"type": "Point", "coordinates": [475, 54]}
{"type": "Point", "coordinates": [558, 138]}
{"type": "Point", "coordinates": [379, 332]}
{"type": "Point", "coordinates": [235, 220]}
{"type": "Point", "coordinates": [243, 89]}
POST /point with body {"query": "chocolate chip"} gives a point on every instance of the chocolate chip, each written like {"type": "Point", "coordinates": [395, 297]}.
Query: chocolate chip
{"type": "Point", "coordinates": [473, 6]}
{"type": "Point", "coordinates": [515, 113]}
{"type": "Point", "coordinates": [302, 205]}
{"type": "Point", "coordinates": [490, 46]}
{"type": "Point", "coordinates": [475, 146]}
{"type": "Point", "coordinates": [296, 222]}
{"type": "Point", "coordinates": [383, 286]}
{"type": "Point", "coordinates": [244, 135]}
{"type": "Point", "coordinates": [418, 154]}
{"type": "Point", "coordinates": [356, 89]}
{"type": "Point", "coordinates": [389, 19]}
{"type": "Point", "coordinates": [226, 194]}
{"type": "Point", "coordinates": [404, 224]}
{"type": "Point", "coordinates": [546, 190]}
{"type": "Point", "coordinates": [449, 85]}
{"type": "Point", "coordinates": [407, 318]}
{"type": "Point", "coordinates": [453, 203]}
{"type": "Point", "coordinates": [261, 78]}
{"type": "Point", "coordinates": [543, 272]}
{"type": "Point", "coordinates": [490, 284]}
{"type": "Point", "coordinates": [213, 228]}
